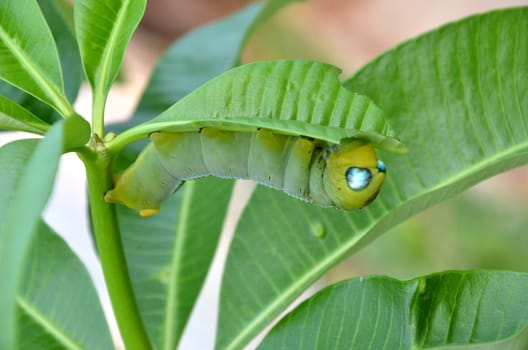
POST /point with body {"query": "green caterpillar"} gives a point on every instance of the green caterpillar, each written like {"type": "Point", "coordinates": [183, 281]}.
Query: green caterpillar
{"type": "Point", "coordinates": [347, 176]}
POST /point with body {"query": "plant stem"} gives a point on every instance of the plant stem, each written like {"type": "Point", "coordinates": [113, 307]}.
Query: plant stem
{"type": "Point", "coordinates": [98, 114]}
{"type": "Point", "coordinates": [111, 253]}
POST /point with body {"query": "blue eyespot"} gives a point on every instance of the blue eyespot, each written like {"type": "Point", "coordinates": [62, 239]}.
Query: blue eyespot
{"type": "Point", "coordinates": [381, 167]}
{"type": "Point", "coordinates": [358, 178]}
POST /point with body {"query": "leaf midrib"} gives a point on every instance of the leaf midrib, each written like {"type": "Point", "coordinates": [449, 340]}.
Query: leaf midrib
{"type": "Point", "coordinates": [169, 341]}
{"type": "Point", "coordinates": [49, 89]}
{"type": "Point", "coordinates": [483, 164]}
{"type": "Point", "coordinates": [107, 52]}
{"type": "Point", "coordinates": [101, 90]}
{"type": "Point", "coordinates": [106, 57]}
{"type": "Point", "coordinates": [56, 332]}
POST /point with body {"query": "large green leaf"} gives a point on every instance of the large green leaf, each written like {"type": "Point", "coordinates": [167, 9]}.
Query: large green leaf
{"type": "Point", "coordinates": [291, 97]}
{"type": "Point", "coordinates": [446, 309]}
{"type": "Point", "coordinates": [57, 303]}
{"type": "Point", "coordinates": [70, 62]}
{"type": "Point", "coordinates": [169, 254]}
{"type": "Point", "coordinates": [27, 173]}
{"type": "Point", "coordinates": [103, 30]}
{"type": "Point", "coordinates": [458, 98]}
{"type": "Point", "coordinates": [28, 55]}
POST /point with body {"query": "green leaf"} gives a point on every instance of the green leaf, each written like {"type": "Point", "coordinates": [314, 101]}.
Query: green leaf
{"type": "Point", "coordinates": [57, 303]}
{"type": "Point", "coordinates": [457, 97]}
{"type": "Point", "coordinates": [70, 62]}
{"type": "Point", "coordinates": [169, 254]}
{"type": "Point", "coordinates": [446, 309]}
{"type": "Point", "coordinates": [291, 97]}
{"type": "Point", "coordinates": [27, 172]}
{"type": "Point", "coordinates": [76, 133]}
{"type": "Point", "coordinates": [16, 117]}
{"type": "Point", "coordinates": [103, 30]}
{"type": "Point", "coordinates": [28, 55]}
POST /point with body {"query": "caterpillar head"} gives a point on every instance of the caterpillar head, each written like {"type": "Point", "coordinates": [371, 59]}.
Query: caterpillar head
{"type": "Point", "coordinates": [353, 175]}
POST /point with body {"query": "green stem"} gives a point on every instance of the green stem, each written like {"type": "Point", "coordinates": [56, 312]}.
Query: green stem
{"type": "Point", "coordinates": [111, 253]}
{"type": "Point", "coordinates": [128, 136]}
{"type": "Point", "coordinates": [98, 106]}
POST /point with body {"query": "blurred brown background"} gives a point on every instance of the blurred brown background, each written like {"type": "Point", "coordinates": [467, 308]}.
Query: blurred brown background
{"type": "Point", "coordinates": [349, 32]}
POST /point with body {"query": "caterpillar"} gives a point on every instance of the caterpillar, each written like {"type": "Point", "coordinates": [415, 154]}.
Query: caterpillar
{"type": "Point", "coordinates": [346, 176]}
